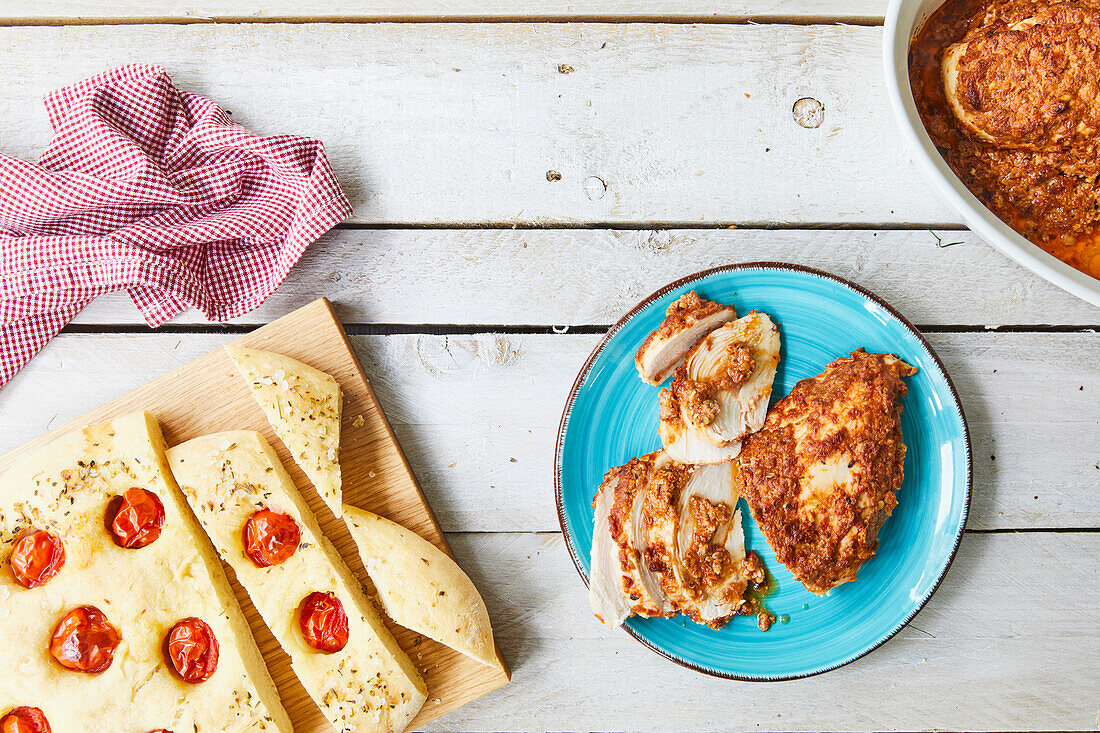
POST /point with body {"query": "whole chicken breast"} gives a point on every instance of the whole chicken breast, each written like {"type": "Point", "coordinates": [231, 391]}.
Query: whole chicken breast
{"type": "Point", "coordinates": [668, 539]}
{"type": "Point", "coordinates": [821, 475]}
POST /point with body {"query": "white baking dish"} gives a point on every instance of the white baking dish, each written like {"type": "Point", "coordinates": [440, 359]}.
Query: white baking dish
{"type": "Point", "coordinates": [903, 18]}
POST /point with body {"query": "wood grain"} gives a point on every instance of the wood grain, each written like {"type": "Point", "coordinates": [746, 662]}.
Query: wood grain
{"type": "Point", "coordinates": [208, 396]}
{"type": "Point", "coordinates": [1010, 641]}
{"type": "Point", "coordinates": [478, 414]}
{"type": "Point", "coordinates": [586, 277]}
{"type": "Point", "coordinates": [252, 10]}
{"type": "Point", "coordinates": [459, 123]}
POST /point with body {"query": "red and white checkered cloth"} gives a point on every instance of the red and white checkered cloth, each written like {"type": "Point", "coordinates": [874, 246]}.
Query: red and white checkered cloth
{"type": "Point", "coordinates": [155, 191]}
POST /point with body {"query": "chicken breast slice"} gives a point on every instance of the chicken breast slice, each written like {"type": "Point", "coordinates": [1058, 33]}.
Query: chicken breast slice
{"type": "Point", "coordinates": [721, 393]}
{"type": "Point", "coordinates": [625, 487]}
{"type": "Point", "coordinates": [669, 541]}
{"type": "Point", "coordinates": [605, 591]}
{"type": "Point", "coordinates": [709, 544]}
{"type": "Point", "coordinates": [687, 444]}
{"type": "Point", "coordinates": [686, 321]}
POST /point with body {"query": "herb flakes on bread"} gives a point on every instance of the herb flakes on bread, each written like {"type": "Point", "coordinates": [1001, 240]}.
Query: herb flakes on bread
{"type": "Point", "coordinates": [304, 406]}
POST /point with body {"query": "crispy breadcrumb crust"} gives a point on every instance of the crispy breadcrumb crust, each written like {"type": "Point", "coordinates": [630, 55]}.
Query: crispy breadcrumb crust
{"type": "Point", "coordinates": [851, 412]}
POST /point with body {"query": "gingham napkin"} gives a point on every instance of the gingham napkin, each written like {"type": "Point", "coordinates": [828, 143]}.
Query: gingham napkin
{"type": "Point", "coordinates": [155, 191]}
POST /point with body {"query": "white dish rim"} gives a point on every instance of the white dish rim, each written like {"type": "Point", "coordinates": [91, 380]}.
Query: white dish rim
{"type": "Point", "coordinates": [903, 17]}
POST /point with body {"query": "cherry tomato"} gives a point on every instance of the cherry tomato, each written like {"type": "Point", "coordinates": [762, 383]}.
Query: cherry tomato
{"type": "Point", "coordinates": [192, 650]}
{"type": "Point", "coordinates": [24, 720]}
{"type": "Point", "coordinates": [84, 640]}
{"type": "Point", "coordinates": [270, 537]}
{"type": "Point", "coordinates": [135, 518]}
{"type": "Point", "coordinates": [160, 730]}
{"type": "Point", "coordinates": [36, 558]}
{"type": "Point", "coordinates": [323, 622]}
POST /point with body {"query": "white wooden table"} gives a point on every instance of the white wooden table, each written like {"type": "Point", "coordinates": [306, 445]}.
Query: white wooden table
{"type": "Point", "coordinates": [519, 182]}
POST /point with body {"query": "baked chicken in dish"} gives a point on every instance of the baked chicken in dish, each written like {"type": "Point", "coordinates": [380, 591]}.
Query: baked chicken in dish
{"type": "Point", "coordinates": [667, 540]}
{"type": "Point", "coordinates": [720, 394]}
{"type": "Point", "coordinates": [822, 473]}
{"type": "Point", "coordinates": [1029, 83]}
{"type": "Point", "coordinates": [686, 321]}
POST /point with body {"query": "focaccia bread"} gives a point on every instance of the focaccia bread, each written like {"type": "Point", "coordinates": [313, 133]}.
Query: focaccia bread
{"type": "Point", "coordinates": [143, 590]}
{"type": "Point", "coordinates": [303, 406]}
{"type": "Point", "coordinates": [421, 587]}
{"type": "Point", "coordinates": [352, 667]}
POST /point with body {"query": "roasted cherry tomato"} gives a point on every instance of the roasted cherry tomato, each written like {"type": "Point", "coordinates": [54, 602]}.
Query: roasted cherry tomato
{"type": "Point", "coordinates": [84, 640]}
{"type": "Point", "coordinates": [270, 537]}
{"type": "Point", "coordinates": [135, 518]}
{"type": "Point", "coordinates": [37, 557]}
{"type": "Point", "coordinates": [192, 650]}
{"type": "Point", "coordinates": [323, 622]}
{"type": "Point", "coordinates": [24, 720]}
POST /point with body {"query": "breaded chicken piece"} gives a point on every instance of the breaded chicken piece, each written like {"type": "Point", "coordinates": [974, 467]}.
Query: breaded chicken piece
{"type": "Point", "coordinates": [667, 539]}
{"type": "Point", "coordinates": [1034, 83]}
{"type": "Point", "coordinates": [686, 321]}
{"type": "Point", "coordinates": [821, 475]}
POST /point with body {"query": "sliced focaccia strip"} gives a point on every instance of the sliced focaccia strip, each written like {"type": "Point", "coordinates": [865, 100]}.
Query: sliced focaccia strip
{"type": "Point", "coordinates": [168, 573]}
{"type": "Point", "coordinates": [422, 588]}
{"type": "Point", "coordinates": [685, 443]}
{"type": "Point", "coordinates": [360, 678]}
{"type": "Point", "coordinates": [303, 406]}
{"type": "Point", "coordinates": [686, 321]}
{"type": "Point", "coordinates": [725, 383]}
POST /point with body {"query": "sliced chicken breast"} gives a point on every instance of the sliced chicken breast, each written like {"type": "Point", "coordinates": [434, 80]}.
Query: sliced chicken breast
{"type": "Point", "coordinates": [708, 544]}
{"type": "Point", "coordinates": [686, 321]}
{"type": "Point", "coordinates": [669, 541]}
{"type": "Point", "coordinates": [605, 590]}
{"type": "Point", "coordinates": [721, 392]}
{"type": "Point", "coordinates": [685, 443]}
{"type": "Point", "coordinates": [637, 582]}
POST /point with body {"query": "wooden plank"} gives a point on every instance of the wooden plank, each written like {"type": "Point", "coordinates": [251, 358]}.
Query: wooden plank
{"type": "Point", "coordinates": [575, 277]}
{"type": "Point", "coordinates": [251, 10]}
{"type": "Point", "coordinates": [458, 123]}
{"type": "Point", "coordinates": [1010, 641]}
{"type": "Point", "coordinates": [208, 396]}
{"type": "Point", "coordinates": [464, 407]}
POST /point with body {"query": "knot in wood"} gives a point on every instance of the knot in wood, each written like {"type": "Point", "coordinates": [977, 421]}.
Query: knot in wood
{"type": "Point", "coordinates": [808, 112]}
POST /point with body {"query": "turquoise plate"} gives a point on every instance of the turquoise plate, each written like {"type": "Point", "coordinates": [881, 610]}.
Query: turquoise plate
{"type": "Point", "coordinates": [611, 416]}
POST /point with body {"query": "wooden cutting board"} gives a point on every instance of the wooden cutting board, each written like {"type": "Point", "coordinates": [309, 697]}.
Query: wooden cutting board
{"type": "Point", "coordinates": [208, 396]}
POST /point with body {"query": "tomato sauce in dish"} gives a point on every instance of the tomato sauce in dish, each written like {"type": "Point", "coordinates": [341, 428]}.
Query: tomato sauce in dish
{"type": "Point", "coordinates": [1028, 69]}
